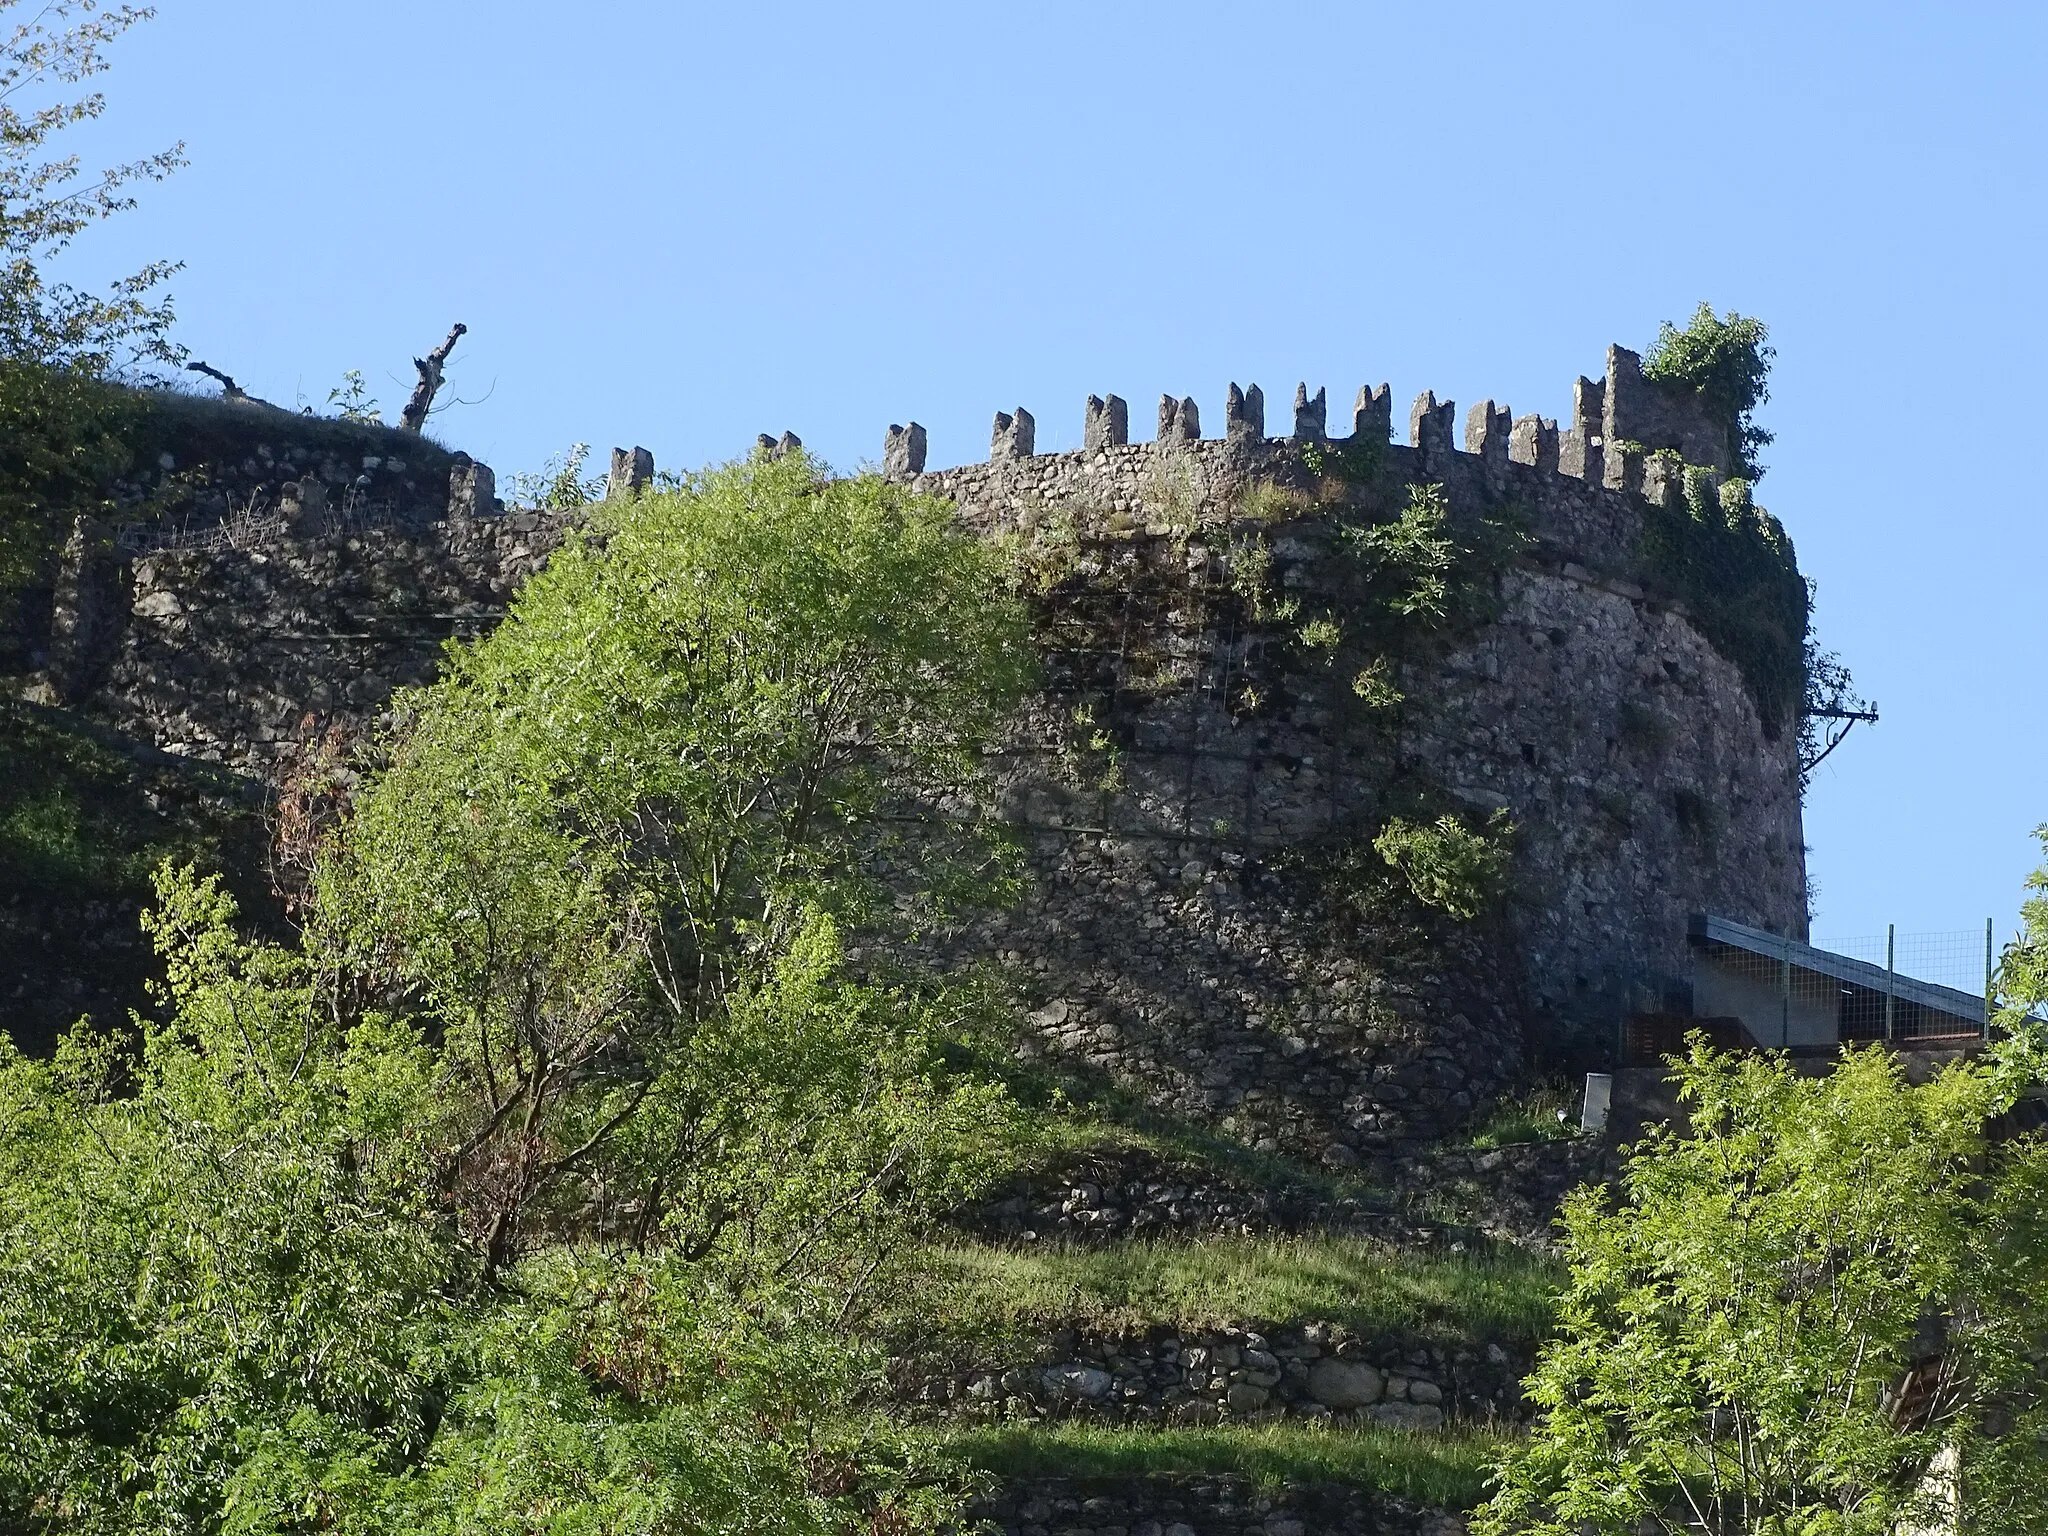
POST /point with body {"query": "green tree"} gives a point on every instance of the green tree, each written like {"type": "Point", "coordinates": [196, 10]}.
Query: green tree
{"type": "Point", "coordinates": [1821, 1307]}
{"type": "Point", "coordinates": [536, 1188]}
{"type": "Point", "coordinates": [231, 1299]}
{"type": "Point", "coordinates": [60, 425]}
{"type": "Point", "coordinates": [44, 207]}
{"type": "Point", "coordinates": [718, 715]}
{"type": "Point", "coordinates": [236, 1230]}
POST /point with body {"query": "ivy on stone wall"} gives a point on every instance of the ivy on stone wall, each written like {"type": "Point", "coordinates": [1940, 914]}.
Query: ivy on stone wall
{"type": "Point", "coordinates": [1731, 564]}
{"type": "Point", "coordinates": [1726, 361]}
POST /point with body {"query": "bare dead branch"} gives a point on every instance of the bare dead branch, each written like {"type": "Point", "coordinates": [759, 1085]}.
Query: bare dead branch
{"type": "Point", "coordinates": [414, 417]}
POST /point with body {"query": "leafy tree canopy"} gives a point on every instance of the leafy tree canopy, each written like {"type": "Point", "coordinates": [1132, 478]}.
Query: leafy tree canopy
{"type": "Point", "coordinates": [534, 1188]}
{"type": "Point", "coordinates": [1820, 1307]}
{"type": "Point", "coordinates": [44, 206]}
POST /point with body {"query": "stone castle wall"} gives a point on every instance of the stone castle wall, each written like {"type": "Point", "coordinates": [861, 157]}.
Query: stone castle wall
{"type": "Point", "coordinates": [1175, 939]}
{"type": "Point", "coordinates": [1166, 945]}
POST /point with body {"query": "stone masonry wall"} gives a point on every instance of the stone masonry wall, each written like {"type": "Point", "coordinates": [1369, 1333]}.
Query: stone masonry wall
{"type": "Point", "coordinates": [1177, 938]}
{"type": "Point", "coordinates": [1171, 943]}
{"type": "Point", "coordinates": [231, 656]}
{"type": "Point", "coordinates": [1204, 1506]}
{"type": "Point", "coordinates": [1255, 1373]}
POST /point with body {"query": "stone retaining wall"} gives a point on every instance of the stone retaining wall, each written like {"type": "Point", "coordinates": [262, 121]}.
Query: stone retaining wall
{"type": "Point", "coordinates": [1163, 1375]}
{"type": "Point", "coordinates": [1204, 1506]}
{"type": "Point", "coordinates": [1111, 1195]}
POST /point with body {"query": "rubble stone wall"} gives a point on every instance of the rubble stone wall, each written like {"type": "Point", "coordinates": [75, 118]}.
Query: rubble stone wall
{"type": "Point", "coordinates": [1204, 1506]}
{"type": "Point", "coordinates": [1176, 938]}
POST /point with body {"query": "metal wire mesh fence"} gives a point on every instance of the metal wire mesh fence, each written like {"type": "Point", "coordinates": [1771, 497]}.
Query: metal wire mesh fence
{"type": "Point", "coordinates": [1913, 986]}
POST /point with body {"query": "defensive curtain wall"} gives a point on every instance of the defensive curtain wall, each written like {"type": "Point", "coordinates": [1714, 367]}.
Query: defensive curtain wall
{"type": "Point", "coordinates": [1231, 712]}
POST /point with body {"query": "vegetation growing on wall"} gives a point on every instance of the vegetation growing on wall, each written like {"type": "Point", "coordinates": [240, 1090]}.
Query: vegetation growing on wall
{"type": "Point", "coordinates": [1733, 567]}
{"type": "Point", "coordinates": [1726, 361]}
{"type": "Point", "coordinates": [1448, 865]}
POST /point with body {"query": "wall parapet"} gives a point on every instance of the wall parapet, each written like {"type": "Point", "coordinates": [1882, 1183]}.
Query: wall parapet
{"type": "Point", "coordinates": [1628, 434]}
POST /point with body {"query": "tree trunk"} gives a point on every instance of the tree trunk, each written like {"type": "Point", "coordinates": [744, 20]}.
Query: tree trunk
{"type": "Point", "coordinates": [414, 417]}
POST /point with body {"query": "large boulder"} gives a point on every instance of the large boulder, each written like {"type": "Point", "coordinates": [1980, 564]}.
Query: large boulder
{"type": "Point", "coordinates": [1345, 1383]}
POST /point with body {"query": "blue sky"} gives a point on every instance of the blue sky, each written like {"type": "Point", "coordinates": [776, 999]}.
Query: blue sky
{"type": "Point", "coordinates": [680, 224]}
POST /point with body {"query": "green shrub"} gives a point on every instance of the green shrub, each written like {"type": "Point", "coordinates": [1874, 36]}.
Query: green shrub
{"type": "Point", "coordinates": [1448, 865]}
{"type": "Point", "coordinates": [1726, 362]}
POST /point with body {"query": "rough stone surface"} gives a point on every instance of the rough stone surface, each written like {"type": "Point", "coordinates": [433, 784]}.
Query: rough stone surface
{"type": "Point", "coordinates": [1167, 944]}
{"type": "Point", "coordinates": [903, 450]}
{"type": "Point", "coordinates": [1175, 938]}
{"type": "Point", "coordinates": [1345, 1383]}
{"type": "Point", "coordinates": [1106, 423]}
{"type": "Point", "coordinates": [1204, 1506]}
{"type": "Point", "coordinates": [1015, 437]}
{"type": "Point", "coordinates": [1509, 1194]}
{"type": "Point", "coordinates": [233, 656]}
{"type": "Point", "coordinates": [1254, 1372]}
{"type": "Point", "coordinates": [1311, 416]}
{"type": "Point", "coordinates": [632, 472]}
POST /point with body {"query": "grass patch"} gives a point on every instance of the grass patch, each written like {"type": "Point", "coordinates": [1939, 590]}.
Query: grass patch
{"type": "Point", "coordinates": [1077, 1111]}
{"type": "Point", "coordinates": [1442, 1469]}
{"type": "Point", "coordinates": [1545, 1114]}
{"type": "Point", "coordinates": [987, 1294]}
{"type": "Point", "coordinates": [1109, 1122]}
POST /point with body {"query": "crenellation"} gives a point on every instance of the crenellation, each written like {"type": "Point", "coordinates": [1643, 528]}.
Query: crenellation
{"type": "Point", "coordinates": [1533, 441]}
{"type": "Point", "coordinates": [1487, 428]}
{"type": "Point", "coordinates": [1311, 416]}
{"type": "Point", "coordinates": [1244, 414]}
{"type": "Point", "coordinates": [1014, 437]}
{"type": "Point", "coordinates": [903, 451]}
{"type": "Point", "coordinates": [1372, 417]}
{"type": "Point", "coordinates": [1636, 409]}
{"type": "Point", "coordinates": [1429, 430]}
{"type": "Point", "coordinates": [1578, 450]}
{"type": "Point", "coordinates": [1622, 467]}
{"type": "Point", "coordinates": [632, 472]}
{"type": "Point", "coordinates": [472, 490]}
{"type": "Point", "coordinates": [1106, 424]}
{"type": "Point", "coordinates": [1179, 420]}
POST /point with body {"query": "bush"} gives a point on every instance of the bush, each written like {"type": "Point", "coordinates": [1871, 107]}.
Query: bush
{"type": "Point", "coordinates": [1448, 865]}
{"type": "Point", "coordinates": [1814, 1310]}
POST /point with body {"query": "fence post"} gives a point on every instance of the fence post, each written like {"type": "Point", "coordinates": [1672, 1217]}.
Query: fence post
{"type": "Point", "coordinates": [1891, 975]}
{"type": "Point", "coordinates": [1784, 994]}
{"type": "Point", "coordinates": [1986, 1032]}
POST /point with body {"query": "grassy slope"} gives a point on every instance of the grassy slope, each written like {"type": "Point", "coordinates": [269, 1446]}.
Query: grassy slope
{"type": "Point", "coordinates": [985, 1293]}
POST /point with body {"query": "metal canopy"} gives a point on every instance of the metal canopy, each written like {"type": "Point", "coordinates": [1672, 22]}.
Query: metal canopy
{"type": "Point", "coordinates": [1708, 929]}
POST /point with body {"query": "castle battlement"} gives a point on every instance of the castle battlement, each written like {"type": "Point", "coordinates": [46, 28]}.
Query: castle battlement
{"type": "Point", "coordinates": [1627, 433]}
